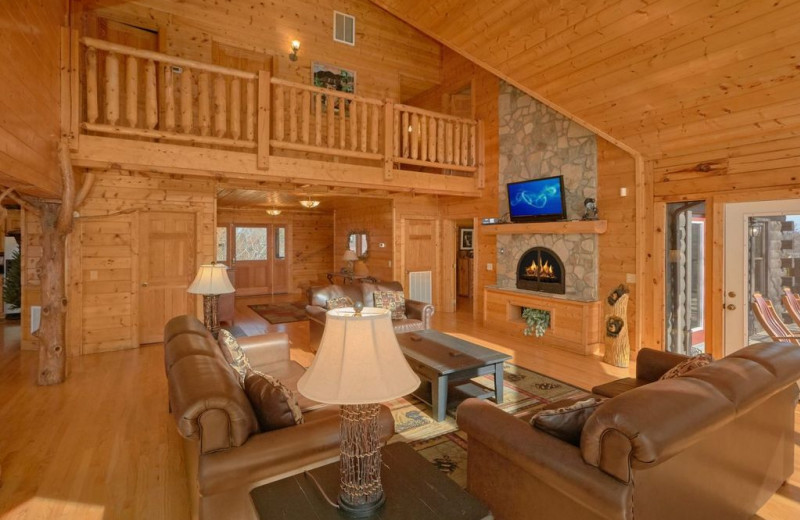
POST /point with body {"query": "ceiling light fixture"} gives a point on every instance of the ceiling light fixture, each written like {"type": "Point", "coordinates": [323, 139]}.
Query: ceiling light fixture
{"type": "Point", "coordinates": [308, 203]}
{"type": "Point", "coordinates": [273, 212]}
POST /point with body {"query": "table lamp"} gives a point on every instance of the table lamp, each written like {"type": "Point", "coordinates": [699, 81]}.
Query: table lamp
{"type": "Point", "coordinates": [211, 281]}
{"type": "Point", "coordinates": [358, 365]}
{"type": "Point", "coordinates": [350, 256]}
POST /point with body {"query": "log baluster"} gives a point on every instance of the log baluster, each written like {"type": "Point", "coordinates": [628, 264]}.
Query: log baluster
{"type": "Point", "coordinates": [330, 119]}
{"type": "Point", "coordinates": [236, 108]}
{"type": "Point", "coordinates": [220, 106]}
{"type": "Point", "coordinates": [306, 116]}
{"type": "Point", "coordinates": [456, 143]}
{"type": "Point", "coordinates": [342, 122]}
{"type": "Point", "coordinates": [423, 138]}
{"type": "Point", "coordinates": [169, 99]}
{"type": "Point", "coordinates": [374, 130]}
{"type": "Point", "coordinates": [440, 135]}
{"type": "Point", "coordinates": [465, 144]}
{"type": "Point", "coordinates": [293, 115]}
{"type": "Point", "coordinates": [353, 125]}
{"type": "Point", "coordinates": [280, 113]}
{"type": "Point", "coordinates": [187, 114]}
{"type": "Point", "coordinates": [448, 142]}
{"type": "Point", "coordinates": [414, 136]}
{"type": "Point", "coordinates": [395, 123]}
{"type": "Point", "coordinates": [404, 132]}
{"type": "Point", "coordinates": [132, 92]}
{"type": "Point", "coordinates": [112, 89]}
{"type": "Point", "coordinates": [472, 148]}
{"type": "Point", "coordinates": [318, 119]}
{"type": "Point", "coordinates": [92, 111]}
{"type": "Point", "coordinates": [150, 95]}
{"type": "Point", "coordinates": [432, 139]}
{"type": "Point", "coordinates": [250, 110]}
{"type": "Point", "coordinates": [363, 107]}
{"type": "Point", "coordinates": [204, 103]}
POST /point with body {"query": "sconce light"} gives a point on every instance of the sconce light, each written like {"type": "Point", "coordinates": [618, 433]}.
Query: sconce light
{"type": "Point", "coordinates": [273, 212]}
{"type": "Point", "coordinates": [295, 48]}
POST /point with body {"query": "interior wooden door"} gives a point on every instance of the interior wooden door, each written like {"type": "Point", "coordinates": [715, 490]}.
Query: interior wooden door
{"type": "Point", "coordinates": [419, 249]}
{"type": "Point", "coordinates": [280, 259]}
{"type": "Point", "coordinates": [167, 252]}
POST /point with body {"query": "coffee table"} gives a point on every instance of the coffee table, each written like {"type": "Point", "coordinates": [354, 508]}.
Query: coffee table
{"type": "Point", "coordinates": [413, 486]}
{"type": "Point", "coordinates": [440, 359]}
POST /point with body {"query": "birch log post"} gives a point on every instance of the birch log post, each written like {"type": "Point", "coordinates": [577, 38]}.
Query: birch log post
{"type": "Point", "coordinates": [618, 348]}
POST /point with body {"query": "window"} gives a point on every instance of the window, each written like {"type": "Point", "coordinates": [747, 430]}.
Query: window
{"type": "Point", "coordinates": [251, 243]}
{"type": "Point", "coordinates": [344, 28]}
{"type": "Point", "coordinates": [222, 244]}
{"type": "Point", "coordinates": [280, 243]}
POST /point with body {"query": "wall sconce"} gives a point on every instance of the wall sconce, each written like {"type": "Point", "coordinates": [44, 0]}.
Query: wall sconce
{"type": "Point", "coordinates": [295, 48]}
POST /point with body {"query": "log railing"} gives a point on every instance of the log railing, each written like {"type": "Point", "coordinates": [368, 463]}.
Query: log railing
{"type": "Point", "coordinates": [134, 93]}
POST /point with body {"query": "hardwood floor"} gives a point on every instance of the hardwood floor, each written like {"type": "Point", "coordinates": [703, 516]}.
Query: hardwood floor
{"type": "Point", "coordinates": [102, 445]}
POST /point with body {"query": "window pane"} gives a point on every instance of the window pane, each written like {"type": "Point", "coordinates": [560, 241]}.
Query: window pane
{"type": "Point", "coordinates": [280, 242]}
{"type": "Point", "coordinates": [251, 243]}
{"type": "Point", "coordinates": [222, 244]}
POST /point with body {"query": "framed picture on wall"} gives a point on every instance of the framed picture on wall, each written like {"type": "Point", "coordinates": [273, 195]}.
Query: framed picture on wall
{"type": "Point", "coordinates": [333, 78]}
{"type": "Point", "coordinates": [466, 239]}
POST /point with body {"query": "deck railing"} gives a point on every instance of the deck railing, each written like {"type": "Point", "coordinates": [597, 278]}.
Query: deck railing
{"type": "Point", "coordinates": [139, 94]}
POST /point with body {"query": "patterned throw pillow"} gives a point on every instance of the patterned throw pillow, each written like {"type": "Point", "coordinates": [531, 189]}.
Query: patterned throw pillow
{"type": "Point", "coordinates": [395, 301]}
{"type": "Point", "coordinates": [690, 364]}
{"type": "Point", "coordinates": [566, 423]}
{"type": "Point", "coordinates": [336, 303]}
{"type": "Point", "coordinates": [275, 405]}
{"type": "Point", "coordinates": [238, 361]}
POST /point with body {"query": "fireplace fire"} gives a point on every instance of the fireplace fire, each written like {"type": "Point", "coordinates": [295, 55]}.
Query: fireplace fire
{"type": "Point", "coordinates": [540, 269]}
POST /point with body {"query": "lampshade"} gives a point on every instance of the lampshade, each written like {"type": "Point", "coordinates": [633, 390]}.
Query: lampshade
{"type": "Point", "coordinates": [349, 256]}
{"type": "Point", "coordinates": [358, 361]}
{"type": "Point", "coordinates": [211, 279]}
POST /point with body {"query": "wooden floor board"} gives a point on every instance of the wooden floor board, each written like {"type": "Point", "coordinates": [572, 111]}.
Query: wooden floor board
{"type": "Point", "coordinates": [102, 445]}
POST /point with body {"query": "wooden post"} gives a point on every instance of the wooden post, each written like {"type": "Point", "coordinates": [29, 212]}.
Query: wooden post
{"type": "Point", "coordinates": [330, 120]}
{"type": "Point", "coordinates": [204, 103]}
{"type": "Point", "coordinates": [236, 108]}
{"type": "Point", "coordinates": [480, 173]}
{"type": "Point", "coordinates": [448, 142]}
{"type": "Point", "coordinates": [363, 107]}
{"type": "Point", "coordinates": [264, 87]}
{"type": "Point", "coordinates": [150, 95]}
{"type": "Point", "coordinates": [404, 134]}
{"type": "Point", "coordinates": [293, 115]}
{"type": "Point", "coordinates": [187, 115]}
{"type": "Point", "coordinates": [465, 143]}
{"type": "Point", "coordinates": [432, 139]}
{"type": "Point", "coordinates": [318, 119]}
{"type": "Point", "coordinates": [389, 141]}
{"type": "Point", "coordinates": [250, 111]}
{"type": "Point", "coordinates": [132, 92]}
{"type": "Point", "coordinates": [169, 98]}
{"type": "Point", "coordinates": [618, 352]}
{"type": "Point", "coordinates": [342, 121]}
{"type": "Point", "coordinates": [456, 143]}
{"type": "Point", "coordinates": [423, 138]}
{"type": "Point", "coordinates": [373, 140]}
{"type": "Point", "coordinates": [306, 117]}
{"type": "Point", "coordinates": [75, 87]}
{"type": "Point", "coordinates": [353, 125]}
{"type": "Point", "coordinates": [112, 89]}
{"type": "Point", "coordinates": [220, 106]}
{"type": "Point", "coordinates": [440, 124]}
{"type": "Point", "coordinates": [414, 136]}
{"type": "Point", "coordinates": [280, 115]}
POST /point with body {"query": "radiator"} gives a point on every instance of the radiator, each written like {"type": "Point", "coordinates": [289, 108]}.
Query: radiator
{"type": "Point", "coordinates": [419, 286]}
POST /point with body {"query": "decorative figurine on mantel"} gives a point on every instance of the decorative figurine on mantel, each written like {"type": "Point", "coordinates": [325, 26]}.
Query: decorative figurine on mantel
{"type": "Point", "coordinates": [618, 348]}
{"type": "Point", "coordinates": [591, 209]}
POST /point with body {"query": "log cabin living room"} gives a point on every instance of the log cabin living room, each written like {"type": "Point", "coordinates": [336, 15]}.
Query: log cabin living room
{"type": "Point", "coordinates": [400, 259]}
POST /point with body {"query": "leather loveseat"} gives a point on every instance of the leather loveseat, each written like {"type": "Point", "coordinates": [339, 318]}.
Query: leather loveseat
{"type": "Point", "coordinates": [418, 314]}
{"type": "Point", "coordinates": [716, 442]}
{"type": "Point", "coordinates": [226, 455]}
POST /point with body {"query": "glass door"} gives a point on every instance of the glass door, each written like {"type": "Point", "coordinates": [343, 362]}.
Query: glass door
{"type": "Point", "coordinates": [685, 278]}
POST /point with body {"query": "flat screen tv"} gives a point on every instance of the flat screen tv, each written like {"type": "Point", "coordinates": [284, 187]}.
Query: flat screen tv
{"type": "Point", "coordinates": [537, 200]}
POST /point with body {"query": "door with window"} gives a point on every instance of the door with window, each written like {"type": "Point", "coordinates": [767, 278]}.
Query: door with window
{"type": "Point", "coordinates": [762, 254]}
{"type": "Point", "coordinates": [260, 254]}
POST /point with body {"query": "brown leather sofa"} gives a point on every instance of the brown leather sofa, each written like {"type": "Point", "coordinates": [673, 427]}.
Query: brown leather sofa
{"type": "Point", "coordinates": [226, 455]}
{"type": "Point", "coordinates": [714, 443]}
{"type": "Point", "coordinates": [418, 313]}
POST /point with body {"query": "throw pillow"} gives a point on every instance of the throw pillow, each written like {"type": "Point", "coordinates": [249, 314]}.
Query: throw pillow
{"type": "Point", "coordinates": [395, 301]}
{"type": "Point", "coordinates": [690, 364]}
{"type": "Point", "coordinates": [336, 303]}
{"type": "Point", "coordinates": [238, 361]}
{"type": "Point", "coordinates": [566, 423]}
{"type": "Point", "coordinates": [275, 405]}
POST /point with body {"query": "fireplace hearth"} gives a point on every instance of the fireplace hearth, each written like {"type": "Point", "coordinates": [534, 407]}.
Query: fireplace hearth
{"type": "Point", "coordinates": [540, 269]}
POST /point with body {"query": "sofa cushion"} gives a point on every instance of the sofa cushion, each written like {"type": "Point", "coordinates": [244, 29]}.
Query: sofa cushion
{"type": "Point", "coordinates": [395, 301]}
{"type": "Point", "coordinates": [566, 423]}
{"type": "Point", "coordinates": [368, 289]}
{"type": "Point", "coordinates": [274, 405]}
{"type": "Point", "coordinates": [620, 386]}
{"type": "Point", "coordinates": [339, 302]}
{"type": "Point", "coordinates": [237, 360]}
{"type": "Point", "coordinates": [690, 364]}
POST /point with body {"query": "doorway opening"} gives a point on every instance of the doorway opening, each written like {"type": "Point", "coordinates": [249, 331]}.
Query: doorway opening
{"type": "Point", "coordinates": [465, 286]}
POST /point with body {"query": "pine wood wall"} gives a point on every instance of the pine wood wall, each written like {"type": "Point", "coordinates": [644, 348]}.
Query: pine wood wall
{"type": "Point", "coordinates": [375, 217]}
{"type": "Point", "coordinates": [30, 103]}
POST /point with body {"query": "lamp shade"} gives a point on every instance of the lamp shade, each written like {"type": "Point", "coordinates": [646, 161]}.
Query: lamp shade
{"type": "Point", "coordinates": [358, 361]}
{"type": "Point", "coordinates": [350, 256]}
{"type": "Point", "coordinates": [211, 279]}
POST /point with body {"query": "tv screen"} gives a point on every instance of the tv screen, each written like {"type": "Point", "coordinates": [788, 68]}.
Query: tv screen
{"type": "Point", "coordinates": [537, 200]}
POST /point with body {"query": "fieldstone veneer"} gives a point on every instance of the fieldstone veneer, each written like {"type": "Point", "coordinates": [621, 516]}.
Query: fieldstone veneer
{"type": "Point", "coordinates": [536, 141]}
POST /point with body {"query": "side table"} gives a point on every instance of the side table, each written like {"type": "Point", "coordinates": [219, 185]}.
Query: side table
{"type": "Point", "coordinates": [414, 488]}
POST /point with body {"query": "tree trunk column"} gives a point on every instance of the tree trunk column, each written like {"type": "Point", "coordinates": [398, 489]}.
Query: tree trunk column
{"type": "Point", "coordinates": [52, 331]}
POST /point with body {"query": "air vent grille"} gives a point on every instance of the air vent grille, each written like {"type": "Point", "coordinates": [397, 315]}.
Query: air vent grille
{"type": "Point", "coordinates": [344, 28]}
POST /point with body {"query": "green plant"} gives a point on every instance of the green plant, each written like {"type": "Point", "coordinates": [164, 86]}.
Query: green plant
{"type": "Point", "coordinates": [537, 321]}
{"type": "Point", "coordinates": [12, 285]}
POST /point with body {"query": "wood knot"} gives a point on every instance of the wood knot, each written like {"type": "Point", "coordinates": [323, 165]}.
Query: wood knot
{"type": "Point", "coordinates": [703, 167]}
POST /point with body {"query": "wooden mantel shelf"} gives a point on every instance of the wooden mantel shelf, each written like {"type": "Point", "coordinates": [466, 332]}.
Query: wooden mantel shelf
{"type": "Point", "coordinates": [597, 227]}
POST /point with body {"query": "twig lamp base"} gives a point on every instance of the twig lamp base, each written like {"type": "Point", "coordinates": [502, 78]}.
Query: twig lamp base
{"type": "Point", "coordinates": [360, 489]}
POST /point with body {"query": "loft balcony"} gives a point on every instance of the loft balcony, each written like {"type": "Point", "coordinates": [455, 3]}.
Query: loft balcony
{"type": "Point", "coordinates": [144, 110]}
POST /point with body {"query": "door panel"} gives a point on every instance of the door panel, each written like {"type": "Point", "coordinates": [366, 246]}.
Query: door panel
{"type": "Point", "coordinates": [420, 247]}
{"type": "Point", "coordinates": [167, 251]}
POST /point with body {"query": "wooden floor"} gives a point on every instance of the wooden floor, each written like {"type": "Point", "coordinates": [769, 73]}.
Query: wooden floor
{"type": "Point", "coordinates": [102, 445]}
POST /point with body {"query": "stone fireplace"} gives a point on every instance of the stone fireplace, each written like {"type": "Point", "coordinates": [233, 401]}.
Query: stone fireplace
{"type": "Point", "coordinates": [540, 269]}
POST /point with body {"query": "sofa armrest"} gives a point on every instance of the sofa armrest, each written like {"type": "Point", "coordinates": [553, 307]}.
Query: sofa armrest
{"type": "Point", "coordinates": [279, 452]}
{"type": "Point", "coordinates": [265, 349]}
{"type": "Point", "coordinates": [316, 313]}
{"type": "Point", "coordinates": [544, 457]}
{"type": "Point", "coordinates": [652, 364]}
{"type": "Point", "coordinates": [421, 311]}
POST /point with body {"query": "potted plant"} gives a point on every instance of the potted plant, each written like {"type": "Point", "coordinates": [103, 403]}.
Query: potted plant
{"type": "Point", "coordinates": [536, 320]}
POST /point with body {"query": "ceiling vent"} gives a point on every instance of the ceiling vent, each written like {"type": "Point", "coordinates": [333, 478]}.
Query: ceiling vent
{"type": "Point", "coordinates": [344, 28]}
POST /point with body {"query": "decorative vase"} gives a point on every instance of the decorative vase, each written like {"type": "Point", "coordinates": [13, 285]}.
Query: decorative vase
{"type": "Point", "coordinates": [360, 268]}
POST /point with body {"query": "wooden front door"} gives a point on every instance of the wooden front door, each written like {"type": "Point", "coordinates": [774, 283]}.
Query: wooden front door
{"type": "Point", "coordinates": [261, 253]}
{"type": "Point", "coordinates": [167, 252]}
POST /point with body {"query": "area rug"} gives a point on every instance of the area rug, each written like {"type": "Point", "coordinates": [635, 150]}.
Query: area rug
{"type": "Point", "coordinates": [286, 312]}
{"type": "Point", "coordinates": [444, 445]}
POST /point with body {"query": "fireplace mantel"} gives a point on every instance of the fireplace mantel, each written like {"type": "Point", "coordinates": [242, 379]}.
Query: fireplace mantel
{"type": "Point", "coordinates": [578, 227]}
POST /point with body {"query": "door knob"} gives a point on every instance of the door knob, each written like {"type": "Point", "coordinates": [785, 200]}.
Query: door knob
{"type": "Point", "coordinates": [144, 284]}
{"type": "Point", "coordinates": [731, 294]}
{"type": "Point", "coordinates": [731, 307]}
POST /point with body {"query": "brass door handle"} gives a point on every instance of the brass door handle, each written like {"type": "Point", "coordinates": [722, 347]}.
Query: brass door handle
{"type": "Point", "coordinates": [731, 307]}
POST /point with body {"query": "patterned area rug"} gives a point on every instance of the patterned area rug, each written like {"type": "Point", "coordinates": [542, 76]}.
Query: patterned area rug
{"type": "Point", "coordinates": [281, 312]}
{"type": "Point", "coordinates": [444, 445]}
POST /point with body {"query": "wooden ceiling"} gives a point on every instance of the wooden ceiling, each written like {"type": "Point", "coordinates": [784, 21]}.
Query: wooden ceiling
{"type": "Point", "coordinates": [287, 197]}
{"type": "Point", "coordinates": [662, 77]}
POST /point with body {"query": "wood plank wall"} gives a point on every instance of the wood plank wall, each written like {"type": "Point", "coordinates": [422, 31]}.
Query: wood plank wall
{"type": "Point", "coordinates": [30, 103]}
{"type": "Point", "coordinates": [374, 216]}
{"type": "Point", "coordinates": [617, 246]}
{"type": "Point", "coordinates": [390, 58]}
{"type": "Point", "coordinates": [311, 238]}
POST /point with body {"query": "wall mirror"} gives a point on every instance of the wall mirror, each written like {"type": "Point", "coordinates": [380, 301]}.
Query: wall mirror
{"type": "Point", "coordinates": [357, 241]}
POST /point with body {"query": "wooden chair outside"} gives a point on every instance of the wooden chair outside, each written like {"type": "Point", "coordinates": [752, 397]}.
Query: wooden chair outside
{"type": "Point", "coordinates": [769, 319]}
{"type": "Point", "coordinates": [791, 302]}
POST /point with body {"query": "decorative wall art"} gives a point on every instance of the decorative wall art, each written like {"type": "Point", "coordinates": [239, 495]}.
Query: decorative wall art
{"type": "Point", "coordinates": [466, 239]}
{"type": "Point", "coordinates": [333, 78]}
